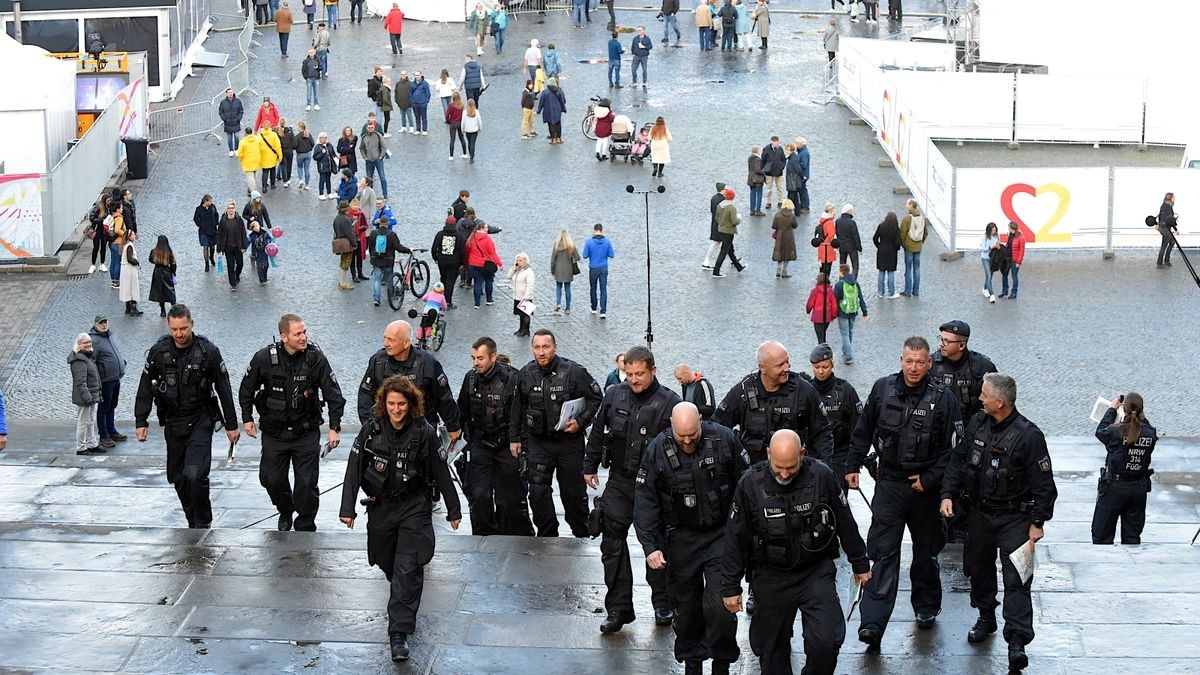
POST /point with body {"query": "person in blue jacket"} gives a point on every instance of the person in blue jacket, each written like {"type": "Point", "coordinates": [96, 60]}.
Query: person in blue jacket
{"type": "Point", "coordinates": [347, 189]}
{"type": "Point", "coordinates": [419, 97]}
{"type": "Point", "coordinates": [615, 50]}
{"type": "Point", "coordinates": [640, 48]}
{"type": "Point", "coordinates": [597, 251]}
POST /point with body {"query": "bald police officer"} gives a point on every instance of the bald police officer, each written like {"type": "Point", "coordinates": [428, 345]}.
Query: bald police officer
{"type": "Point", "coordinates": [286, 381]}
{"type": "Point", "coordinates": [400, 357]}
{"type": "Point", "coordinates": [1007, 478]}
{"type": "Point", "coordinates": [631, 415]}
{"type": "Point", "coordinates": [788, 516]}
{"type": "Point", "coordinates": [775, 398]}
{"type": "Point", "coordinates": [684, 490]}
{"type": "Point", "coordinates": [842, 406]}
{"type": "Point", "coordinates": [911, 420]}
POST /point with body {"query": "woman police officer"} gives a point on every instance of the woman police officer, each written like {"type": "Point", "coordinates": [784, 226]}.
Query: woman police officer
{"type": "Point", "coordinates": [1125, 478]}
{"type": "Point", "coordinates": [395, 460]}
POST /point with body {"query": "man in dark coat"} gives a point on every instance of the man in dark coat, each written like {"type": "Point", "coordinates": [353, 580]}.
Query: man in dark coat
{"type": "Point", "coordinates": [230, 111]}
{"type": "Point", "coordinates": [1167, 228]}
{"type": "Point", "coordinates": [773, 160]}
{"type": "Point", "coordinates": [847, 234]}
{"type": "Point", "coordinates": [714, 237]}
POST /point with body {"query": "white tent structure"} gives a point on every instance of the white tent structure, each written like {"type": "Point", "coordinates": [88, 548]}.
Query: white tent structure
{"type": "Point", "coordinates": [37, 117]}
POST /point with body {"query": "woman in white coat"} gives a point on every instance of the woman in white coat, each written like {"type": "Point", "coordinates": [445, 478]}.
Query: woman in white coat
{"type": "Point", "coordinates": [521, 275]}
{"type": "Point", "coordinates": [660, 147]}
{"type": "Point", "coordinates": [130, 287]}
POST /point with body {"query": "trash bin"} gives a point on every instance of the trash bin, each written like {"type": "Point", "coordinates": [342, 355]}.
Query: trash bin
{"type": "Point", "coordinates": [136, 160]}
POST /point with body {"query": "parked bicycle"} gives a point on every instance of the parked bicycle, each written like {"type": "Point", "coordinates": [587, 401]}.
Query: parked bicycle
{"type": "Point", "coordinates": [413, 276]}
{"type": "Point", "coordinates": [589, 120]}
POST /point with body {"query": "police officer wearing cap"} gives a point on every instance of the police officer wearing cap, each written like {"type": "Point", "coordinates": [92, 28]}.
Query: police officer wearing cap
{"type": "Point", "coordinates": [959, 368]}
{"type": "Point", "coordinates": [286, 382]}
{"type": "Point", "coordinates": [842, 406]}
{"type": "Point", "coordinates": [684, 489]}
{"type": "Point", "coordinates": [1125, 478]}
{"type": "Point", "coordinates": [1002, 469]}
{"type": "Point", "coordinates": [772, 399]}
{"type": "Point", "coordinates": [396, 461]}
{"type": "Point", "coordinates": [631, 415]}
{"type": "Point", "coordinates": [911, 420]}
{"type": "Point", "coordinates": [186, 378]}
{"type": "Point", "coordinates": [400, 357]}
{"type": "Point", "coordinates": [788, 516]}
{"type": "Point", "coordinates": [485, 399]}
{"type": "Point", "coordinates": [544, 386]}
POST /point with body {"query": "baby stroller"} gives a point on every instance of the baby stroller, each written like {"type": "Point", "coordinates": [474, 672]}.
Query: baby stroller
{"type": "Point", "coordinates": [641, 145]}
{"type": "Point", "coordinates": [621, 142]}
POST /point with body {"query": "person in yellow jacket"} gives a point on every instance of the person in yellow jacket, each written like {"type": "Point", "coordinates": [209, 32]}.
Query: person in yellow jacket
{"type": "Point", "coordinates": [249, 153]}
{"type": "Point", "coordinates": [270, 155]}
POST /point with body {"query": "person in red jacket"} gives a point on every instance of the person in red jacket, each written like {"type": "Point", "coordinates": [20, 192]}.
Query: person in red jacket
{"type": "Point", "coordinates": [483, 261]}
{"type": "Point", "coordinates": [825, 240]}
{"type": "Point", "coordinates": [394, 24]}
{"type": "Point", "coordinates": [822, 306]}
{"type": "Point", "coordinates": [268, 115]}
{"type": "Point", "coordinates": [1016, 255]}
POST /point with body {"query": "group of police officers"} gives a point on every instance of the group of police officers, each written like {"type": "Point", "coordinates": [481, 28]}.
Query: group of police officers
{"type": "Point", "coordinates": [755, 487]}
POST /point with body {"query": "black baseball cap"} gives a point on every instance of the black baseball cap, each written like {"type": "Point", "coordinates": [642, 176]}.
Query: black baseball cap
{"type": "Point", "coordinates": [821, 352]}
{"type": "Point", "coordinates": [956, 327]}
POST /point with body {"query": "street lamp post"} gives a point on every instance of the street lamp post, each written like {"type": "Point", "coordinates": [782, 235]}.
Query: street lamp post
{"type": "Point", "coordinates": [646, 202]}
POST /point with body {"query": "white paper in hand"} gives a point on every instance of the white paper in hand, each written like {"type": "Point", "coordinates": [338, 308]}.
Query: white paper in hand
{"type": "Point", "coordinates": [853, 596]}
{"type": "Point", "coordinates": [1101, 406]}
{"type": "Point", "coordinates": [526, 307]}
{"type": "Point", "coordinates": [1025, 561]}
{"type": "Point", "coordinates": [570, 410]}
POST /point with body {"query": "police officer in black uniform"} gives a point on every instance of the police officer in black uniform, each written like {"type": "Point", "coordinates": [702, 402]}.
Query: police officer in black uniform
{"type": "Point", "coordinates": [400, 357]}
{"type": "Point", "coordinates": [961, 370]}
{"type": "Point", "coordinates": [842, 406]}
{"type": "Point", "coordinates": [287, 381]}
{"type": "Point", "coordinates": [397, 462]}
{"type": "Point", "coordinates": [1003, 469]}
{"type": "Point", "coordinates": [772, 399]}
{"type": "Point", "coordinates": [485, 399]}
{"type": "Point", "coordinates": [182, 370]}
{"type": "Point", "coordinates": [1125, 478]}
{"type": "Point", "coordinates": [697, 390]}
{"type": "Point", "coordinates": [788, 515]}
{"type": "Point", "coordinates": [544, 386]}
{"type": "Point", "coordinates": [911, 419]}
{"type": "Point", "coordinates": [631, 415]}
{"type": "Point", "coordinates": [684, 489]}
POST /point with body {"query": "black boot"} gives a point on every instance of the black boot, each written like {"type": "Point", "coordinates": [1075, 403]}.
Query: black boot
{"type": "Point", "coordinates": [127, 305]}
{"type": "Point", "coordinates": [285, 522]}
{"type": "Point", "coordinates": [1017, 660]}
{"type": "Point", "coordinates": [135, 311]}
{"type": "Point", "coordinates": [615, 622]}
{"type": "Point", "coordinates": [663, 616]}
{"type": "Point", "coordinates": [693, 668]}
{"type": "Point", "coordinates": [985, 626]}
{"type": "Point", "coordinates": [400, 647]}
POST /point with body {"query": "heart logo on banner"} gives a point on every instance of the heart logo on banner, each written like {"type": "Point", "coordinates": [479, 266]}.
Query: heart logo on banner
{"type": "Point", "coordinates": [1046, 232]}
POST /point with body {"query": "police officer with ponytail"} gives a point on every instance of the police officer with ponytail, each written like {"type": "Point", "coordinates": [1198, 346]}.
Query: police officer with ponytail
{"type": "Point", "coordinates": [286, 381]}
{"type": "Point", "coordinates": [397, 461]}
{"type": "Point", "coordinates": [1002, 469]}
{"type": "Point", "coordinates": [631, 415]}
{"type": "Point", "coordinates": [1125, 478]}
{"type": "Point", "coordinates": [684, 491]}
{"type": "Point", "coordinates": [788, 517]}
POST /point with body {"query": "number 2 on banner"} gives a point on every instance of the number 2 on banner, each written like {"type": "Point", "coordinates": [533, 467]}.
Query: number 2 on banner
{"type": "Point", "coordinates": [1046, 233]}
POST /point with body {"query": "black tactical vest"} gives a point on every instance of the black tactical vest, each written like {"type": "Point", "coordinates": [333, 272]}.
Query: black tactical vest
{"type": "Point", "coordinates": [794, 527]}
{"type": "Point", "coordinates": [182, 380]}
{"type": "Point", "coordinates": [904, 433]}
{"type": "Point", "coordinates": [836, 407]}
{"type": "Point", "coordinates": [996, 465]}
{"type": "Point", "coordinates": [486, 402]}
{"type": "Point", "coordinates": [1130, 462]}
{"type": "Point", "coordinates": [545, 395]}
{"type": "Point", "coordinates": [631, 425]}
{"type": "Point", "coordinates": [394, 465]}
{"type": "Point", "coordinates": [290, 394]}
{"type": "Point", "coordinates": [766, 413]}
{"type": "Point", "coordinates": [701, 489]}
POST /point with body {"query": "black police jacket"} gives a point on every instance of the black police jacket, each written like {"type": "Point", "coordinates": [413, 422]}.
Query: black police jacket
{"type": "Point", "coordinates": [964, 378]}
{"type": "Point", "coordinates": [424, 371]}
{"type": "Point", "coordinates": [1003, 467]}
{"type": "Point", "coordinates": [288, 390]}
{"type": "Point", "coordinates": [692, 492]}
{"type": "Point", "coordinates": [842, 407]}
{"type": "Point", "coordinates": [625, 425]}
{"type": "Point", "coordinates": [912, 429]}
{"type": "Point", "coordinates": [788, 527]}
{"type": "Point", "coordinates": [757, 413]}
{"type": "Point", "coordinates": [182, 382]}
{"type": "Point", "coordinates": [1124, 461]}
{"type": "Point", "coordinates": [485, 404]}
{"type": "Point", "coordinates": [391, 464]}
{"type": "Point", "coordinates": [541, 394]}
